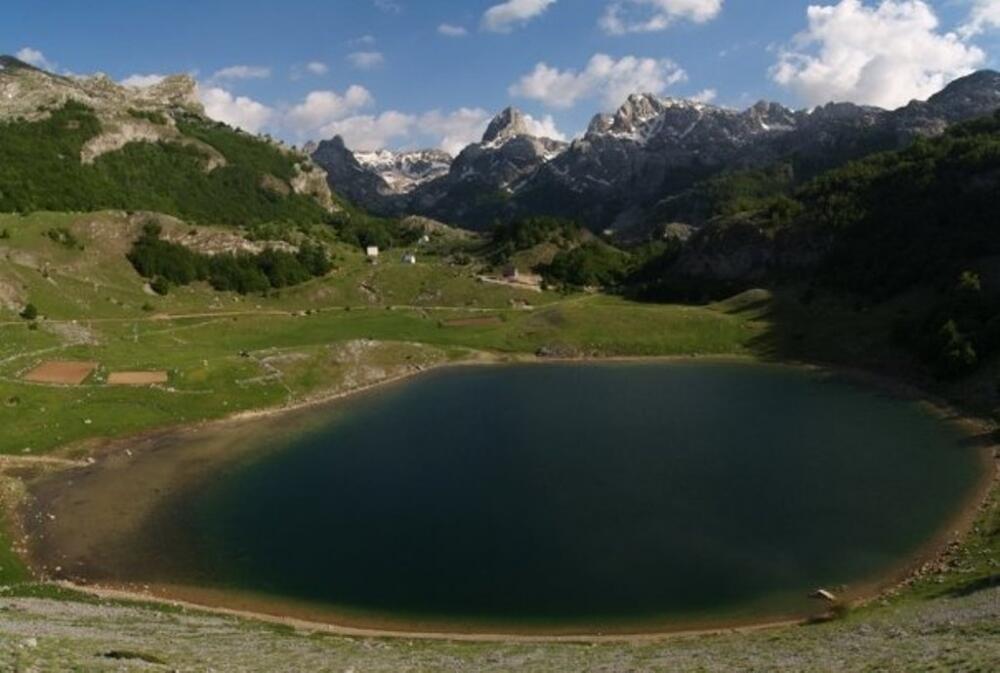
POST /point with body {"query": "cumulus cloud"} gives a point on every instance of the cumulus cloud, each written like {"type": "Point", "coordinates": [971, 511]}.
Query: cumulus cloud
{"type": "Point", "coordinates": [366, 60]}
{"type": "Point", "coordinates": [238, 111]}
{"type": "Point", "coordinates": [36, 58]}
{"type": "Point", "coordinates": [544, 127]}
{"type": "Point", "coordinates": [321, 108]}
{"type": "Point", "coordinates": [452, 131]}
{"type": "Point", "coordinates": [142, 81]}
{"type": "Point", "coordinates": [885, 55]}
{"type": "Point", "coordinates": [451, 30]}
{"type": "Point", "coordinates": [370, 132]}
{"type": "Point", "coordinates": [504, 17]}
{"type": "Point", "coordinates": [317, 68]}
{"type": "Point", "coordinates": [985, 15]}
{"type": "Point", "coordinates": [604, 77]}
{"type": "Point", "coordinates": [238, 72]}
{"type": "Point", "coordinates": [645, 16]}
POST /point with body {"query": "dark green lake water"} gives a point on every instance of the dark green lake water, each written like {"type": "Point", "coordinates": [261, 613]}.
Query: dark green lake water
{"type": "Point", "coordinates": [586, 494]}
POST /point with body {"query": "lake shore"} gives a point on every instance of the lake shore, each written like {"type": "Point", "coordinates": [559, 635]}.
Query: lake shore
{"type": "Point", "coordinates": [157, 466]}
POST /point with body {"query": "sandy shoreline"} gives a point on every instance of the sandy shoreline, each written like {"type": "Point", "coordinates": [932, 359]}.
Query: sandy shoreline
{"type": "Point", "coordinates": [183, 472]}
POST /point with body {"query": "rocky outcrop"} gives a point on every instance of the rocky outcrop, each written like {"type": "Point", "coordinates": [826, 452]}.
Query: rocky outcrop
{"type": "Point", "coordinates": [29, 93]}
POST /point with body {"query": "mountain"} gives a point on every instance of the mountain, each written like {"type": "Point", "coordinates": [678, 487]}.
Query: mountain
{"type": "Point", "coordinates": [88, 143]}
{"type": "Point", "coordinates": [471, 192]}
{"type": "Point", "coordinates": [652, 148]}
{"type": "Point", "coordinates": [629, 165]}
{"type": "Point", "coordinates": [378, 181]}
{"type": "Point", "coordinates": [405, 171]}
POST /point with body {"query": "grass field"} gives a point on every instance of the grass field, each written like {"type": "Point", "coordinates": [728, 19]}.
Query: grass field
{"type": "Point", "coordinates": [218, 348]}
{"type": "Point", "coordinates": [224, 354]}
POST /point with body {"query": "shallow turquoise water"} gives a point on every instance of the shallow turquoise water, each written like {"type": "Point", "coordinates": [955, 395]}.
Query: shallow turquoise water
{"type": "Point", "coordinates": [582, 493]}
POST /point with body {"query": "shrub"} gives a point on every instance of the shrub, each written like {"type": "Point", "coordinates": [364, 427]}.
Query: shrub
{"type": "Point", "coordinates": [594, 264]}
{"type": "Point", "coordinates": [30, 312]}
{"type": "Point", "coordinates": [65, 238]}
{"type": "Point", "coordinates": [526, 233]}
{"type": "Point", "coordinates": [160, 286]}
{"type": "Point", "coordinates": [173, 264]}
{"type": "Point", "coordinates": [149, 115]}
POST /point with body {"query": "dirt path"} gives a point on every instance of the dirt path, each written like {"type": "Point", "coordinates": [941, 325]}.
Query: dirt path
{"type": "Point", "coordinates": [281, 314]}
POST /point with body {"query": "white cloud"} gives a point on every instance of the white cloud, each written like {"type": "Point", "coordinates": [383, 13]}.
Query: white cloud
{"type": "Point", "coordinates": [366, 60]}
{"type": "Point", "coordinates": [364, 40]}
{"type": "Point", "coordinates": [368, 132]}
{"type": "Point", "coordinates": [142, 81]}
{"type": "Point", "coordinates": [503, 17]}
{"type": "Point", "coordinates": [644, 16]}
{"type": "Point", "coordinates": [985, 15]}
{"type": "Point", "coordinates": [452, 131]}
{"type": "Point", "coordinates": [321, 108]}
{"type": "Point", "coordinates": [450, 30]}
{"type": "Point", "coordinates": [883, 55]}
{"type": "Point", "coordinates": [238, 111]}
{"type": "Point", "coordinates": [705, 96]}
{"type": "Point", "coordinates": [317, 68]}
{"type": "Point", "coordinates": [544, 127]}
{"type": "Point", "coordinates": [36, 58]}
{"type": "Point", "coordinates": [237, 72]}
{"type": "Point", "coordinates": [613, 81]}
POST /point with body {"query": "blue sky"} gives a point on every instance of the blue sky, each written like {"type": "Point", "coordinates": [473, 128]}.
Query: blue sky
{"type": "Point", "coordinates": [407, 73]}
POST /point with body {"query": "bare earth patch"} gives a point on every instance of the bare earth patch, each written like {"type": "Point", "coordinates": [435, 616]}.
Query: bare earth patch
{"type": "Point", "coordinates": [137, 378]}
{"type": "Point", "coordinates": [61, 373]}
{"type": "Point", "coordinates": [485, 321]}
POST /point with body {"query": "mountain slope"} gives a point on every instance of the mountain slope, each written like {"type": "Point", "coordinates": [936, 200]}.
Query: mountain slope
{"type": "Point", "coordinates": [85, 144]}
{"type": "Point", "coordinates": [470, 191]}
{"type": "Point", "coordinates": [652, 148]}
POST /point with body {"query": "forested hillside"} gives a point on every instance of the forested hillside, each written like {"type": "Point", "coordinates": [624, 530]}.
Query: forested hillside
{"type": "Point", "coordinates": [211, 174]}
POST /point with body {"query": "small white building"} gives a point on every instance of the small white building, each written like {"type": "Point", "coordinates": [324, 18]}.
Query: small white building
{"type": "Point", "coordinates": [409, 258]}
{"type": "Point", "coordinates": [372, 252]}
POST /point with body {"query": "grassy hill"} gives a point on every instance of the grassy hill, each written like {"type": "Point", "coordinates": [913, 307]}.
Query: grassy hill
{"type": "Point", "coordinates": [41, 170]}
{"type": "Point", "coordinates": [87, 144]}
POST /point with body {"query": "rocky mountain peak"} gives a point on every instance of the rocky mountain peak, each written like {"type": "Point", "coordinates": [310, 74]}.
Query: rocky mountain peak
{"type": "Point", "coordinates": [637, 110]}
{"type": "Point", "coordinates": [508, 124]}
{"type": "Point", "coordinates": [978, 91]}
{"type": "Point", "coordinates": [28, 91]}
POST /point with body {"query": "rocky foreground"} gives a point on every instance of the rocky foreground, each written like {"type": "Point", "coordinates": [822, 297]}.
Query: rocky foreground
{"type": "Point", "coordinates": [960, 633]}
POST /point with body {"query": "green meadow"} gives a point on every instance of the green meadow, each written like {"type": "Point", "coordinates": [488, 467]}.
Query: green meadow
{"type": "Point", "coordinates": [227, 353]}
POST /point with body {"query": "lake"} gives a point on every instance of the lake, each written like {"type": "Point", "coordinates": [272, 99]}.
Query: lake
{"type": "Point", "coordinates": [604, 496]}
